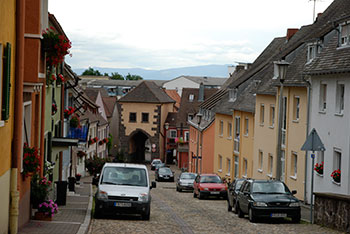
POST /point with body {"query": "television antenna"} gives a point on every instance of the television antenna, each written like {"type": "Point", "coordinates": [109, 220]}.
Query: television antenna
{"type": "Point", "coordinates": [314, 11]}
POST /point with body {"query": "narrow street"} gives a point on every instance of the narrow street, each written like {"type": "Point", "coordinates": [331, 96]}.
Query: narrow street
{"type": "Point", "coordinates": [175, 212]}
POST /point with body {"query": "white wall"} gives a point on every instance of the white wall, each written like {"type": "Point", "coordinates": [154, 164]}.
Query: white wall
{"type": "Point", "coordinates": [334, 131]}
{"type": "Point", "coordinates": [180, 83]}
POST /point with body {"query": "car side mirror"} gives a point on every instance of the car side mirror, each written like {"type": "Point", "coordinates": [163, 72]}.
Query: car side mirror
{"type": "Point", "coordinates": [294, 192]}
{"type": "Point", "coordinates": [153, 185]}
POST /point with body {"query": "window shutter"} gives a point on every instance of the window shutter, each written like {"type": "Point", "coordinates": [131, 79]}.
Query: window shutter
{"type": "Point", "coordinates": [6, 83]}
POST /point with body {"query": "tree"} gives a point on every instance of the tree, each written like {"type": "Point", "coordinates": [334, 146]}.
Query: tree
{"type": "Point", "coordinates": [91, 72]}
{"type": "Point", "coordinates": [116, 76]}
{"type": "Point", "coordinates": [133, 77]}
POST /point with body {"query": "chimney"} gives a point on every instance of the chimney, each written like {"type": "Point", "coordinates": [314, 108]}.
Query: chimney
{"type": "Point", "coordinates": [291, 32]}
{"type": "Point", "coordinates": [201, 92]}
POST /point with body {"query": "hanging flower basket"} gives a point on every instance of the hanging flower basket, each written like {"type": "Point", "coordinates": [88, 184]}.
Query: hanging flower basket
{"type": "Point", "coordinates": [68, 112]}
{"type": "Point", "coordinates": [54, 109]}
{"type": "Point", "coordinates": [336, 175]}
{"type": "Point", "coordinates": [60, 79]}
{"type": "Point", "coordinates": [31, 160]}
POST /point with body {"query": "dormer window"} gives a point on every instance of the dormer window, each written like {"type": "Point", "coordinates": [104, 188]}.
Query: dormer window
{"type": "Point", "coordinates": [191, 97]}
{"type": "Point", "coordinates": [312, 50]}
{"type": "Point", "coordinates": [232, 95]}
{"type": "Point", "coordinates": [345, 34]}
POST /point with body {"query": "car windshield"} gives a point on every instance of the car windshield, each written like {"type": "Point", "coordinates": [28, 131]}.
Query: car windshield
{"type": "Point", "coordinates": [188, 176]}
{"type": "Point", "coordinates": [124, 176]}
{"type": "Point", "coordinates": [156, 162]}
{"type": "Point", "coordinates": [239, 184]}
{"type": "Point", "coordinates": [210, 179]}
{"type": "Point", "coordinates": [269, 187]}
{"type": "Point", "coordinates": [164, 170]}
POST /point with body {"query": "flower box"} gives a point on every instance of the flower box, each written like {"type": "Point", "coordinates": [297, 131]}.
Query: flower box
{"type": "Point", "coordinates": [42, 216]}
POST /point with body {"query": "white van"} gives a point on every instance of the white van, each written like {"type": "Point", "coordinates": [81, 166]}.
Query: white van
{"type": "Point", "coordinates": [124, 189]}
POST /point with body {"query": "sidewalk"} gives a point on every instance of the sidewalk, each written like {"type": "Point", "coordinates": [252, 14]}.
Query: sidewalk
{"type": "Point", "coordinates": [73, 218]}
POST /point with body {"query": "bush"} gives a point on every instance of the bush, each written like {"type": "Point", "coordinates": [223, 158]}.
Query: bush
{"type": "Point", "coordinates": [94, 165]}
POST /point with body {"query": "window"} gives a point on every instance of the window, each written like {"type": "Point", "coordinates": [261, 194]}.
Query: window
{"type": "Point", "coordinates": [272, 116]}
{"type": "Point", "coordinates": [323, 97]}
{"type": "Point", "coordinates": [189, 117]}
{"type": "Point", "coordinates": [132, 117]}
{"type": "Point", "coordinates": [237, 133]}
{"type": "Point", "coordinates": [172, 134]}
{"type": "Point", "coordinates": [262, 113]}
{"type": "Point", "coordinates": [246, 126]}
{"type": "Point", "coordinates": [232, 95]}
{"type": "Point", "coordinates": [229, 130]}
{"type": "Point", "coordinates": [294, 165]}
{"type": "Point", "coordinates": [284, 121]}
{"type": "Point", "coordinates": [311, 52]}
{"type": "Point", "coordinates": [260, 161]}
{"type": "Point", "coordinates": [345, 34]}
{"type": "Point", "coordinates": [236, 166]}
{"type": "Point", "coordinates": [228, 166]}
{"type": "Point", "coordinates": [191, 97]}
{"type": "Point", "coordinates": [270, 164]}
{"type": "Point", "coordinates": [282, 165]}
{"type": "Point", "coordinates": [187, 136]}
{"type": "Point", "coordinates": [220, 163]}
{"type": "Point", "coordinates": [339, 103]}
{"type": "Point", "coordinates": [337, 159]}
{"type": "Point", "coordinates": [320, 157]}
{"type": "Point", "coordinates": [221, 130]}
{"type": "Point", "coordinates": [245, 167]}
{"type": "Point", "coordinates": [296, 108]}
{"type": "Point", "coordinates": [145, 117]}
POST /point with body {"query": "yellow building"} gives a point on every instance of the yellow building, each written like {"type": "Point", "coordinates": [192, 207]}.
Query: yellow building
{"type": "Point", "coordinates": [7, 72]}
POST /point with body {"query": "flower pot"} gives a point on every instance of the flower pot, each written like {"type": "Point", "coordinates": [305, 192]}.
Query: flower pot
{"type": "Point", "coordinates": [77, 177]}
{"type": "Point", "coordinates": [42, 216]}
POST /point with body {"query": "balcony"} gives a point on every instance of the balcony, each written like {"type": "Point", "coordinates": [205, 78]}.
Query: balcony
{"type": "Point", "coordinates": [78, 133]}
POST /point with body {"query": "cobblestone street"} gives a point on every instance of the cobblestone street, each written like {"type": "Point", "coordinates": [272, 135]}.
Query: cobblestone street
{"type": "Point", "coordinates": [175, 212]}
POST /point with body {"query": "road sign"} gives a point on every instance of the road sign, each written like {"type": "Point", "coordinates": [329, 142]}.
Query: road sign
{"type": "Point", "coordinates": [313, 142]}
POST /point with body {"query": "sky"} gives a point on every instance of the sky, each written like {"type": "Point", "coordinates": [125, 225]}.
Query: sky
{"type": "Point", "coordinates": [162, 34]}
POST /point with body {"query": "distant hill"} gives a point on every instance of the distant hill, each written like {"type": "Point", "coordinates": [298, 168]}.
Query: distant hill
{"type": "Point", "coordinates": [166, 74]}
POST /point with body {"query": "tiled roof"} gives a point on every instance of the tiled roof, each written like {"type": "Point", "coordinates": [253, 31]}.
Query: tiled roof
{"type": "Point", "coordinates": [147, 92]}
{"type": "Point", "coordinates": [207, 81]}
{"type": "Point", "coordinates": [171, 119]}
{"type": "Point", "coordinates": [175, 96]}
{"type": "Point", "coordinates": [109, 103]}
{"type": "Point", "coordinates": [188, 107]}
{"type": "Point", "coordinates": [94, 118]}
{"type": "Point", "coordinates": [127, 83]}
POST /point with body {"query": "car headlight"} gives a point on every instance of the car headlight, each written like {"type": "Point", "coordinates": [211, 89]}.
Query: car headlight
{"type": "Point", "coordinates": [223, 189]}
{"type": "Point", "coordinates": [102, 195]}
{"type": "Point", "coordinates": [206, 189]}
{"type": "Point", "coordinates": [171, 175]}
{"type": "Point", "coordinates": [143, 197]}
{"type": "Point", "coordinates": [294, 204]}
{"type": "Point", "coordinates": [160, 175]}
{"type": "Point", "coordinates": [259, 204]}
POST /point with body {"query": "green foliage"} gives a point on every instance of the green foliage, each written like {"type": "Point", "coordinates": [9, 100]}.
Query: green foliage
{"type": "Point", "coordinates": [91, 72]}
{"type": "Point", "coordinates": [39, 189]}
{"type": "Point", "coordinates": [94, 165]}
{"type": "Point", "coordinates": [109, 143]}
{"type": "Point", "coordinates": [133, 77]}
{"type": "Point", "coordinates": [116, 76]}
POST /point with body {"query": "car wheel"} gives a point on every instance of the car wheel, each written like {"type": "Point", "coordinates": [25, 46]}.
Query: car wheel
{"type": "Point", "coordinates": [239, 212]}
{"type": "Point", "coordinates": [146, 215]}
{"type": "Point", "coordinates": [252, 217]}
{"type": "Point", "coordinates": [177, 189]}
{"type": "Point", "coordinates": [296, 219]}
{"type": "Point", "coordinates": [180, 190]}
{"type": "Point", "coordinates": [229, 207]}
{"type": "Point", "coordinates": [97, 213]}
{"type": "Point", "coordinates": [234, 208]}
{"type": "Point", "coordinates": [201, 196]}
{"type": "Point", "coordinates": [194, 194]}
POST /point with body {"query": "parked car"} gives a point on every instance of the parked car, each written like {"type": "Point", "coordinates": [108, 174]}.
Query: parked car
{"type": "Point", "coordinates": [185, 181]}
{"type": "Point", "coordinates": [164, 174]}
{"type": "Point", "coordinates": [209, 185]}
{"type": "Point", "coordinates": [124, 188]}
{"type": "Point", "coordinates": [267, 198]}
{"type": "Point", "coordinates": [154, 163]}
{"type": "Point", "coordinates": [232, 192]}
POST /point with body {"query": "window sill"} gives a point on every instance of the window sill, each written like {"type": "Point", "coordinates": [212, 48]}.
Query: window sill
{"type": "Point", "coordinates": [221, 135]}
{"type": "Point", "coordinates": [320, 175]}
{"type": "Point", "coordinates": [220, 170]}
{"type": "Point", "coordinates": [245, 135]}
{"type": "Point", "coordinates": [269, 175]}
{"type": "Point", "coordinates": [339, 114]}
{"type": "Point", "coordinates": [295, 121]}
{"type": "Point", "coordinates": [261, 125]}
{"type": "Point", "coordinates": [2, 123]}
{"type": "Point", "coordinates": [336, 183]}
{"type": "Point", "coordinates": [229, 138]}
{"type": "Point", "coordinates": [272, 126]}
{"type": "Point", "coordinates": [260, 170]}
{"type": "Point", "coordinates": [322, 112]}
{"type": "Point", "coordinates": [244, 176]}
{"type": "Point", "coordinates": [293, 177]}
{"type": "Point", "coordinates": [228, 174]}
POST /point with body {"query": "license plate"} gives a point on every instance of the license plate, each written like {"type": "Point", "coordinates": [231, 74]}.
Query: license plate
{"type": "Point", "coordinates": [278, 215]}
{"type": "Point", "coordinates": [122, 204]}
{"type": "Point", "coordinates": [166, 177]}
{"type": "Point", "coordinates": [214, 192]}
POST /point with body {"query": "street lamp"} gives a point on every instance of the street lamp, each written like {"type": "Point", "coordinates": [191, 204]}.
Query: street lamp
{"type": "Point", "coordinates": [199, 119]}
{"type": "Point", "coordinates": [166, 126]}
{"type": "Point", "coordinates": [281, 67]}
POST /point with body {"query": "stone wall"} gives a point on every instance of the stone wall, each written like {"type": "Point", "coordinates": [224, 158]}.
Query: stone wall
{"type": "Point", "coordinates": [333, 210]}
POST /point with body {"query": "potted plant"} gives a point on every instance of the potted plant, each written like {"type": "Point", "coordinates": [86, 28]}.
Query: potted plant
{"type": "Point", "coordinates": [74, 122]}
{"type": "Point", "coordinates": [319, 168]}
{"type": "Point", "coordinates": [46, 211]}
{"type": "Point", "coordinates": [31, 160]}
{"type": "Point", "coordinates": [336, 175]}
{"type": "Point", "coordinates": [39, 190]}
{"type": "Point", "coordinates": [60, 79]}
{"type": "Point", "coordinates": [53, 109]}
{"type": "Point", "coordinates": [77, 177]}
{"type": "Point", "coordinates": [68, 112]}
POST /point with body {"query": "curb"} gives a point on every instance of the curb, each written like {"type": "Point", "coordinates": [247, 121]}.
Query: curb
{"type": "Point", "coordinates": [84, 227]}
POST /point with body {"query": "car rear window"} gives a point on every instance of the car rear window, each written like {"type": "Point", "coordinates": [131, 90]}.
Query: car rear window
{"type": "Point", "coordinates": [124, 176]}
{"type": "Point", "coordinates": [188, 176]}
{"type": "Point", "coordinates": [164, 169]}
{"type": "Point", "coordinates": [239, 184]}
{"type": "Point", "coordinates": [210, 179]}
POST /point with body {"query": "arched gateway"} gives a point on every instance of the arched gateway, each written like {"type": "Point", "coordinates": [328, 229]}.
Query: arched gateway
{"type": "Point", "coordinates": [138, 146]}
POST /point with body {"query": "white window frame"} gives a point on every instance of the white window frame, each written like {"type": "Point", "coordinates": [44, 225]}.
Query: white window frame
{"type": "Point", "coordinates": [236, 158]}
{"type": "Point", "coordinates": [229, 130]}
{"type": "Point", "coordinates": [228, 167]}
{"type": "Point", "coordinates": [337, 157]}
{"type": "Point", "coordinates": [323, 97]}
{"type": "Point", "coordinates": [246, 126]}
{"type": "Point", "coordinates": [270, 161]}
{"type": "Point", "coordinates": [272, 116]}
{"type": "Point", "coordinates": [187, 136]}
{"type": "Point", "coordinates": [221, 130]}
{"type": "Point", "coordinates": [296, 114]}
{"type": "Point", "coordinates": [245, 167]}
{"type": "Point", "coordinates": [262, 114]}
{"type": "Point", "coordinates": [261, 158]}
{"type": "Point", "coordinates": [191, 97]}
{"type": "Point", "coordinates": [220, 163]}
{"type": "Point", "coordinates": [294, 165]}
{"type": "Point", "coordinates": [344, 38]}
{"type": "Point", "coordinates": [340, 98]}
{"type": "Point", "coordinates": [172, 133]}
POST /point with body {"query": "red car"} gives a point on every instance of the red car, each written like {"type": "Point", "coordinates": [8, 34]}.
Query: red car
{"type": "Point", "coordinates": [209, 185]}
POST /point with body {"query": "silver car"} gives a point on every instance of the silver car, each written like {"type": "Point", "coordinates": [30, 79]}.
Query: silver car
{"type": "Point", "coordinates": [185, 181]}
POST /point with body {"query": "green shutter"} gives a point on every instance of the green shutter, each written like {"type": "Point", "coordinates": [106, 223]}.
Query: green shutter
{"type": "Point", "coordinates": [6, 83]}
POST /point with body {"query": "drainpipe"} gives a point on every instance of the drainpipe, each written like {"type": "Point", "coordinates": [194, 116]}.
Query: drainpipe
{"type": "Point", "coordinates": [18, 117]}
{"type": "Point", "coordinates": [309, 90]}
